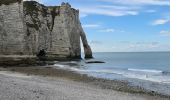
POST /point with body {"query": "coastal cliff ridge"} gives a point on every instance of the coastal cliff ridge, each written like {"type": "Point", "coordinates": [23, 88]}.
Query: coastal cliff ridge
{"type": "Point", "coordinates": [27, 27]}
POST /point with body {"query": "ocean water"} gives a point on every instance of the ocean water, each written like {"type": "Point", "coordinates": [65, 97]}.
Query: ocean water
{"type": "Point", "coordinates": [150, 70]}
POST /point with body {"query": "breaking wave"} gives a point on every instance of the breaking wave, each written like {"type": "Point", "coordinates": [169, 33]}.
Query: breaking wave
{"type": "Point", "coordinates": [143, 74]}
{"type": "Point", "coordinates": [145, 70]}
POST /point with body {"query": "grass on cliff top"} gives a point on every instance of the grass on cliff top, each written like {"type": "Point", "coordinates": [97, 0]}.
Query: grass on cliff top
{"type": "Point", "coordinates": [7, 2]}
{"type": "Point", "coordinates": [52, 7]}
{"type": "Point", "coordinates": [30, 6]}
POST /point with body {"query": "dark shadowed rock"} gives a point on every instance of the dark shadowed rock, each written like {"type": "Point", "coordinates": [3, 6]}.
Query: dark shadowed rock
{"type": "Point", "coordinates": [95, 62]}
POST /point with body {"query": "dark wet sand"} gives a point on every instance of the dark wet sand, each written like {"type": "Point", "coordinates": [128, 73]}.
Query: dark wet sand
{"type": "Point", "coordinates": [118, 87]}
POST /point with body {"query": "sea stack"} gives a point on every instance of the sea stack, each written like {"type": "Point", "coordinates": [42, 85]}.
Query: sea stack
{"type": "Point", "coordinates": [28, 27]}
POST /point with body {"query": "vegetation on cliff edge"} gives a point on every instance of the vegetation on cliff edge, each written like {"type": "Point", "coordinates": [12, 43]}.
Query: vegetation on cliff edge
{"type": "Point", "coordinates": [7, 2]}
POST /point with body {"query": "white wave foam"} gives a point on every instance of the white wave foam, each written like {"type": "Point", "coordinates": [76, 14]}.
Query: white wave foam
{"type": "Point", "coordinates": [145, 70]}
{"type": "Point", "coordinates": [159, 79]}
{"type": "Point", "coordinates": [68, 68]}
{"type": "Point", "coordinates": [73, 62]}
{"type": "Point", "coordinates": [59, 65]}
{"type": "Point", "coordinates": [143, 74]}
{"type": "Point", "coordinates": [76, 69]}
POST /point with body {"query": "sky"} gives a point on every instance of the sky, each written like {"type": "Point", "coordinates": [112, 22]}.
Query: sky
{"type": "Point", "coordinates": [123, 25]}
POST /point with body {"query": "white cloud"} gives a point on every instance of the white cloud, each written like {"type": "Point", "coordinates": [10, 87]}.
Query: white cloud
{"type": "Point", "coordinates": [100, 10]}
{"type": "Point", "coordinates": [119, 7]}
{"type": "Point", "coordinates": [140, 2]}
{"type": "Point", "coordinates": [164, 20]}
{"type": "Point", "coordinates": [109, 30]}
{"type": "Point", "coordinates": [82, 15]}
{"type": "Point", "coordinates": [142, 46]}
{"type": "Point", "coordinates": [113, 8]}
{"type": "Point", "coordinates": [91, 26]}
{"type": "Point", "coordinates": [153, 45]}
{"type": "Point", "coordinates": [127, 46]}
{"type": "Point", "coordinates": [160, 21]}
{"type": "Point", "coordinates": [165, 33]}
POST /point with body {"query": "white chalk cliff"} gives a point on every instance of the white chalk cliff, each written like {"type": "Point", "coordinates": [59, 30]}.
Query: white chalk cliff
{"type": "Point", "coordinates": [28, 27]}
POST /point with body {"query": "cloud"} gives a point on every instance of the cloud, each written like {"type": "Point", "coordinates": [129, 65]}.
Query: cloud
{"type": "Point", "coordinates": [150, 11]}
{"type": "Point", "coordinates": [107, 10]}
{"type": "Point", "coordinates": [137, 46]}
{"type": "Point", "coordinates": [104, 7]}
{"type": "Point", "coordinates": [140, 2]}
{"type": "Point", "coordinates": [119, 7]}
{"type": "Point", "coordinates": [153, 45]}
{"type": "Point", "coordinates": [91, 26]}
{"type": "Point", "coordinates": [122, 7]}
{"type": "Point", "coordinates": [129, 46]}
{"type": "Point", "coordinates": [160, 21]}
{"type": "Point", "coordinates": [142, 46]}
{"type": "Point", "coordinates": [164, 20]}
{"type": "Point", "coordinates": [165, 33]}
{"type": "Point", "coordinates": [82, 15]}
{"type": "Point", "coordinates": [109, 30]}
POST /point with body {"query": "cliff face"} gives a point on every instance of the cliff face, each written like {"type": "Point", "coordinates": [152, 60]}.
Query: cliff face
{"type": "Point", "coordinates": [11, 29]}
{"type": "Point", "coordinates": [28, 27]}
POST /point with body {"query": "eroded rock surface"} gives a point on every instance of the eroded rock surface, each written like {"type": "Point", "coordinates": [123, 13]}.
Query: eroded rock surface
{"type": "Point", "coordinates": [28, 27]}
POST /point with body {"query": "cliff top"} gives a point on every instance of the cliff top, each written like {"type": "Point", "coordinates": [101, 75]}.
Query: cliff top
{"type": "Point", "coordinates": [7, 2]}
{"type": "Point", "coordinates": [32, 4]}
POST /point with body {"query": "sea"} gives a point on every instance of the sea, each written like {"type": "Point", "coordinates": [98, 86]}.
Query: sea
{"type": "Point", "coordinates": [149, 70]}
